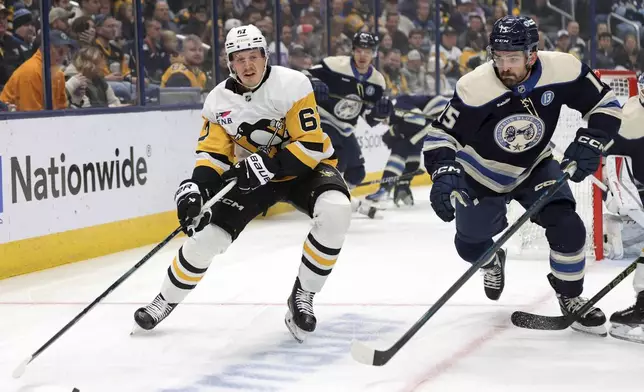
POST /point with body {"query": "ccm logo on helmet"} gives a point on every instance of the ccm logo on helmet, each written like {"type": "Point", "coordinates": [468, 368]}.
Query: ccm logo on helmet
{"type": "Point", "coordinates": [591, 142]}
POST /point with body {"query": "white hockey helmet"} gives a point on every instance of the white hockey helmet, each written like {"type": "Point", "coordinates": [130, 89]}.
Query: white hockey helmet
{"type": "Point", "coordinates": [244, 38]}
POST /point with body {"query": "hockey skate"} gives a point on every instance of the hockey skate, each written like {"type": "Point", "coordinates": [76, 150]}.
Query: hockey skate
{"type": "Point", "coordinates": [300, 319]}
{"type": "Point", "coordinates": [402, 194]}
{"type": "Point", "coordinates": [494, 276]}
{"type": "Point", "coordinates": [628, 324]}
{"type": "Point", "coordinates": [152, 314]}
{"type": "Point", "coordinates": [592, 322]}
{"type": "Point", "coordinates": [371, 204]}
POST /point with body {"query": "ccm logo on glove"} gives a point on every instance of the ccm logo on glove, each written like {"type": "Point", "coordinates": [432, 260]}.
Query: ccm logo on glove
{"type": "Point", "coordinates": [446, 169]}
{"type": "Point", "coordinates": [590, 141]}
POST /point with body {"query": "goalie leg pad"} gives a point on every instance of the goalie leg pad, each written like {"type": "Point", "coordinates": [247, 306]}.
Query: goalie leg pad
{"type": "Point", "coordinates": [566, 236]}
{"type": "Point", "coordinates": [192, 262]}
{"type": "Point", "coordinates": [331, 220]}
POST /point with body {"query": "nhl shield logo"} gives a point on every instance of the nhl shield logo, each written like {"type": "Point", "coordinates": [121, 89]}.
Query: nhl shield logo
{"type": "Point", "coordinates": [547, 98]}
{"type": "Point", "coordinates": [519, 132]}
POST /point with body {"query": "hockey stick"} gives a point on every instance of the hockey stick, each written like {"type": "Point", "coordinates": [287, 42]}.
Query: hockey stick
{"type": "Point", "coordinates": [368, 356]}
{"type": "Point", "coordinates": [393, 179]}
{"type": "Point", "coordinates": [557, 323]}
{"type": "Point", "coordinates": [596, 181]}
{"type": "Point", "coordinates": [19, 371]}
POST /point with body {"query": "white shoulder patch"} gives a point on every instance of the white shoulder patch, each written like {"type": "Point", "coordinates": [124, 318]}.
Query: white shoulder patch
{"type": "Point", "coordinates": [339, 64]}
{"type": "Point", "coordinates": [480, 86]}
{"type": "Point", "coordinates": [558, 67]}
{"type": "Point", "coordinates": [377, 78]}
{"type": "Point", "coordinates": [632, 119]}
{"type": "Point", "coordinates": [217, 99]}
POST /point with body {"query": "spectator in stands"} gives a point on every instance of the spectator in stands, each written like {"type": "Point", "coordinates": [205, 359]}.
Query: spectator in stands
{"type": "Point", "coordinates": [458, 19]}
{"type": "Point", "coordinates": [605, 52]}
{"type": "Point", "coordinates": [162, 15]}
{"type": "Point", "coordinates": [575, 40]}
{"type": "Point", "coordinates": [24, 29]}
{"type": "Point", "coordinates": [116, 66]}
{"type": "Point", "coordinates": [415, 73]}
{"type": "Point", "coordinates": [170, 44]}
{"type": "Point", "coordinates": [223, 64]}
{"type": "Point", "coordinates": [423, 18]}
{"type": "Point", "coordinates": [500, 10]}
{"type": "Point", "coordinates": [24, 89]}
{"type": "Point", "coordinates": [188, 72]}
{"type": "Point", "coordinates": [262, 6]}
{"type": "Point", "coordinates": [285, 41]}
{"type": "Point", "coordinates": [563, 42]}
{"type": "Point", "coordinates": [59, 19]}
{"type": "Point", "coordinates": [125, 15]}
{"type": "Point", "coordinates": [450, 53]}
{"type": "Point", "coordinates": [88, 8]}
{"type": "Point", "coordinates": [337, 8]}
{"type": "Point", "coordinates": [416, 40]}
{"type": "Point", "coordinates": [444, 86]}
{"type": "Point", "coordinates": [105, 8]}
{"type": "Point", "coordinates": [395, 80]}
{"type": "Point", "coordinates": [476, 24]}
{"type": "Point", "coordinates": [473, 47]}
{"type": "Point", "coordinates": [197, 22]}
{"type": "Point", "coordinates": [86, 74]}
{"type": "Point", "coordinates": [630, 56]}
{"type": "Point", "coordinates": [84, 30]}
{"type": "Point", "coordinates": [231, 24]}
{"type": "Point", "coordinates": [251, 16]}
{"type": "Point", "coordinates": [11, 53]}
{"type": "Point", "coordinates": [265, 25]}
{"type": "Point", "coordinates": [299, 59]}
{"type": "Point", "coordinates": [400, 40]}
{"type": "Point", "coordinates": [227, 10]}
{"type": "Point", "coordinates": [155, 59]}
{"type": "Point", "coordinates": [549, 20]}
{"type": "Point", "coordinates": [287, 17]}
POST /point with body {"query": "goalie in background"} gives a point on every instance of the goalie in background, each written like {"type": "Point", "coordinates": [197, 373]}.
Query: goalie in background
{"type": "Point", "coordinates": [623, 173]}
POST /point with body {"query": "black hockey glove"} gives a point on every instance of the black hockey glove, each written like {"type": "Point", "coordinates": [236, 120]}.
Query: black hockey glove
{"type": "Point", "coordinates": [586, 151]}
{"type": "Point", "coordinates": [383, 108]}
{"type": "Point", "coordinates": [320, 89]}
{"type": "Point", "coordinates": [189, 199]}
{"type": "Point", "coordinates": [449, 182]}
{"type": "Point", "coordinates": [402, 193]}
{"type": "Point", "coordinates": [252, 172]}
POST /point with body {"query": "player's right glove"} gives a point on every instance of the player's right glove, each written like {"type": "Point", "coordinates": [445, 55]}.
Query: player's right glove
{"type": "Point", "coordinates": [383, 108]}
{"type": "Point", "coordinates": [320, 89]}
{"type": "Point", "coordinates": [449, 182]}
{"type": "Point", "coordinates": [251, 173]}
{"type": "Point", "coordinates": [189, 201]}
{"type": "Point", "coordinates": [586, 151]}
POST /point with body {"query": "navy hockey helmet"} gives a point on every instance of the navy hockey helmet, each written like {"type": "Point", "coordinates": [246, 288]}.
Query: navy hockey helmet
{"type": "Point", "coordinates": [364, 39]}
{"type": "Point", "coordinates": [514, 33]}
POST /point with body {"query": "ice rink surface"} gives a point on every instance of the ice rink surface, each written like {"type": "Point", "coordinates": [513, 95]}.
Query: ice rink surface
{"type": "Point", "coordinates": [229, 334]}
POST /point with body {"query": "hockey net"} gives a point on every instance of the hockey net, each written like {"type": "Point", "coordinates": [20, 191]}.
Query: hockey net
{"type": "Point", "coordinates": [530, 241]}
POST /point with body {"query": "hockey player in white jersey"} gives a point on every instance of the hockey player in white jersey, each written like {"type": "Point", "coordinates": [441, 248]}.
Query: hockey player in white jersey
{"type": "Point", "coordinates": [492, 144]}
{"type": "Point", "coordinates": [356, 79]}
{"type": "Point", "coordinates": [264, 118]}
{"type": "Point", "coordinates": [624, 228]}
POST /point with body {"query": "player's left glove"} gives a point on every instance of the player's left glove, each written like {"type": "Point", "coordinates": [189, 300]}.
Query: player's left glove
{"type": "Point", "coordinates": [320, 89]}
{"type": "Point", "coordinates": [383, 108]}
{"type": "Point", "coordinates": [252, 172]}
{"type": "Point", "coordinates": [449, 182]}
{"type": "Point", "coordinates": [586, 151]}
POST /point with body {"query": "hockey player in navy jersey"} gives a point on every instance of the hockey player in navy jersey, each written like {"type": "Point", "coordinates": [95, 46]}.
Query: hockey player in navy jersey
{"type": "Point", "coordinates": [405, 138]}
{"type": "Point", "coordinates": [356, 79]}
{"type": "Point", "coordinates": [491, 144]}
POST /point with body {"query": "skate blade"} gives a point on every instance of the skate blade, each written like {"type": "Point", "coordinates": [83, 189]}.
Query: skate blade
{"type": "Point", "coordinates": [627, 333]}
{"type": "Point", "coordinates": [136, 329]}
{"type": "Point", "coordinates": [599, 330]}
{"type": "Point", "coordinates": [297, 333]}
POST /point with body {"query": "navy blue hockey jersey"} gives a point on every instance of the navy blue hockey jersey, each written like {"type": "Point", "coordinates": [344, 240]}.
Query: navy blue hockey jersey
{"type": "Point", "coordinates": [500, 135]}
{"type": "Point", "coordinates": [413, 126]}
{"type": "Point", "coordinates": [339, 73]}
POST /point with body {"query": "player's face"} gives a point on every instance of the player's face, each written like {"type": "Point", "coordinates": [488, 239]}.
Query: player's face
{"type": "Point", "coordinates": [511, 66]}
{"type": "Point", "coordinates": [249, 66]}
{"type": "Point", "coordinates": [362, 57]}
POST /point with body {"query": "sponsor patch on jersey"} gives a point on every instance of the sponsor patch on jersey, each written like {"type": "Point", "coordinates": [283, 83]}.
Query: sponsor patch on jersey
{"type": "Point", "coordinates": [519, 132]}
{"type": "Point", "coordinates": [223, 118]}
{"type": "Point", "coordinates": [547, 97]}
{"type": "Point", "coordinates": [370, 90]}
{"type": "Point", "coordinates": [347, 109]}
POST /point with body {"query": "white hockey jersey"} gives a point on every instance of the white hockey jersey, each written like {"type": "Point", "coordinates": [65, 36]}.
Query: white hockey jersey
{"type": "Point", "coordinates": [630, 139]}
{"type": "Point", "coordinates": [281, 112]}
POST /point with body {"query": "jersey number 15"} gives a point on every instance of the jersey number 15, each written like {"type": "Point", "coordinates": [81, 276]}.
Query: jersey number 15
{"type": "Point", "coordinates": [449, 116]}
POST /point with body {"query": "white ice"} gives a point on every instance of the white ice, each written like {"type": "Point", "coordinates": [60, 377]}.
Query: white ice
{"type": "Point", "coordinates": [229, 334]}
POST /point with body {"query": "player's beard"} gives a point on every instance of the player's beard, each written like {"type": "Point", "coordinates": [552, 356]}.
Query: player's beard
{"type": "Point", "coordinates": [511, 79]}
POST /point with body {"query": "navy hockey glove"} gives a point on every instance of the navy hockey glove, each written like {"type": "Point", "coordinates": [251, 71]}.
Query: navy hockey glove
{"type": "Point", "coordinates": [383, 108]}
{"type": "Point", "coordinates": [391, 138]}
{"type": "Point", "coordinates": [252, 172]}
{"type": "Point", "coordinates": [189, 201]}
{"type": "Point", "coordinates": [320, 89]}
{"type": "Point", "coordinates": [586, 151]}
{"type": "Point", "coordinates": [449, 181]}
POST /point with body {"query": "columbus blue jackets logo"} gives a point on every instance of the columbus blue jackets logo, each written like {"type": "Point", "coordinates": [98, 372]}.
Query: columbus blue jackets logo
{"type": "Point", "coordinates": [347, 109]}
{"type": "Point", "coordinates": [519, 132]}
{"type": "Point", "coordinates": [547, 97]}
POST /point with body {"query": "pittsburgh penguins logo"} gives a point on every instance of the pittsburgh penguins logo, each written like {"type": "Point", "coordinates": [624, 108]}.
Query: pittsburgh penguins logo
{"type": "Point", "coordinates": [260, 133]}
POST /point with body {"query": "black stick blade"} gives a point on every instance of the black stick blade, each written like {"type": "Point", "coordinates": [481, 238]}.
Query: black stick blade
{"type": "Point", "coordinates": [534, 321]}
